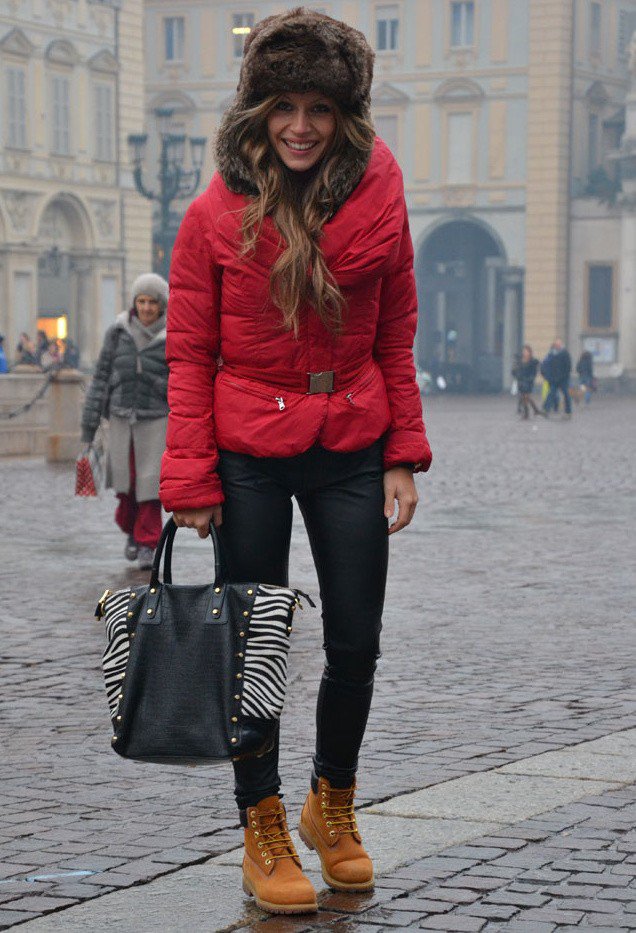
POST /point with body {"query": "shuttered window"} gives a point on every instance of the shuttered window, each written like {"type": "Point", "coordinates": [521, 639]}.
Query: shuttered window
{"type": "Point", "coordinates": [388, 28]}
{"type": "Point", "coordinates": [462, 24]}
{"type": "Point", "coordinates": [61, 115]}
{"type": "Point", "coordinates": [174, 31]}
{"type": "Point", "coordinates": [241, 27]}
{"type": "Point", "coordinates": [16, 108]}
{"type": "Point", "coordinates": [104, 122]}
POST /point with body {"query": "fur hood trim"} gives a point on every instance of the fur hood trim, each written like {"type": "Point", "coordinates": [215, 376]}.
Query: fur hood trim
{"type": "Point", "coordinates": [299, 51]}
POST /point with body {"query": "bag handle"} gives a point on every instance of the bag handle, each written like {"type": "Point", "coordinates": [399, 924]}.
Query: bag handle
{"type": "Point", "coordinates": [167, 540]}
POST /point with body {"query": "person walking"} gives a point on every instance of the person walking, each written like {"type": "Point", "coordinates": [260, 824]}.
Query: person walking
{"type": "Point", "coordinates": [130, 389]}
{"type": "Point", "coordinates": [559, 367]}
{"type": "Point", "coordinates": [585, 371]}
{"type": "Point", "coordinates": [525, 372]}
{"type": "Point", "coordinates": [290, 333]}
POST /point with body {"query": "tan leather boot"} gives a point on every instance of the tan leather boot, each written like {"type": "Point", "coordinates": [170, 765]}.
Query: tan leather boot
{"type": "Point", "coordinates": [271, 868]}
{"type": "Point", "coordinates": [328, 825]}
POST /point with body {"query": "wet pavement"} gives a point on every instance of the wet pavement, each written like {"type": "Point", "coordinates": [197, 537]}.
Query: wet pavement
{"type": "Point", "coordinates": [508, 637]}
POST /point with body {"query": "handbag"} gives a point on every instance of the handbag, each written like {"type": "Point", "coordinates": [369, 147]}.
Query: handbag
{"type": "Point", "coordinates": [196, 674]}
{"type": "Point", "coordinates": [89, 469]}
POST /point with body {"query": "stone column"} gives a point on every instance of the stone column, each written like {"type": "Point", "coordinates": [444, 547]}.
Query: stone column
{"type": "Point", "coordinates": [627, 293]}
{"type": "Point", "coordinates": [547, 194]}
{"type": "Point", "coordinates": [512, 324]}
{"type": "Point", "coordinates": [67, 398]}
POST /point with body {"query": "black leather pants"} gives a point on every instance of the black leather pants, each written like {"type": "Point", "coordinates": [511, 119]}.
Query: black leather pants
{"type": "Point", "coordinates": [341, 499]}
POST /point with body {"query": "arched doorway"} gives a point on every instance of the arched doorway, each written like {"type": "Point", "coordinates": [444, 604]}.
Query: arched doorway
{"type": "Point", "coordinates": [65, 240]}
{"type": "Point", "coordinates": [463, 332]}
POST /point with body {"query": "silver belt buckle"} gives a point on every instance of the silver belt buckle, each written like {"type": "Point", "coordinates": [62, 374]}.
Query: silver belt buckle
{"type": "Point", "coordinates": [320, 382]}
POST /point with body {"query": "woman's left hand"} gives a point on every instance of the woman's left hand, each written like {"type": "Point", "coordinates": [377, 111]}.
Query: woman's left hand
{"type": "Point", "coordinates": [399, 484]}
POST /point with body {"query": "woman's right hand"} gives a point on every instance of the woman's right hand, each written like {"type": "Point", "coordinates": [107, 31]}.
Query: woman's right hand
{"type": "Point", "coordinates": [199, 519]}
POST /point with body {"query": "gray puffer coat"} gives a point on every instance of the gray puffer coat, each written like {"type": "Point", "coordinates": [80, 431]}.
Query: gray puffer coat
{"type": "Point", "coordinates": [127, 383]}
{"type": "Point", "coordinates": [129, 388]}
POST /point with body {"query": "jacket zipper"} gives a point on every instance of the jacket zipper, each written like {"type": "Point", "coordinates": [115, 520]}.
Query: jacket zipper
{"type": "Point", "coordinates": [350, 396]}
{"type": "Point", "coordinates": [262, 395]}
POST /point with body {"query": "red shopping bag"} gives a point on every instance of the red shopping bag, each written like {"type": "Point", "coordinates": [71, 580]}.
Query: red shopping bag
{"type": "Point", "coordinates": [89, 473]}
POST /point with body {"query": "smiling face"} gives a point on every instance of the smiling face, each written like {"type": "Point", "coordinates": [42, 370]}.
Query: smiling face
{"type": "Point", "coordinates": [148, 309]}
{"type": "Point", "coordinates": [301, 128]}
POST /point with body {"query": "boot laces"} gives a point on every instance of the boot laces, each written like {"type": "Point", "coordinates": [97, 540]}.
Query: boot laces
{"type": "Point", "coordinates": [275, 840]}
{"type": "Point", "coordinates": [337, 808]}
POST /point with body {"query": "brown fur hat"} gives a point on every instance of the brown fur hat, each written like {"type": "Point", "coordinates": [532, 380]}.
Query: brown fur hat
{"type": "Point", "coordinates": [298, 51]}
{"type": "Point", "coordinates": [303, 50]}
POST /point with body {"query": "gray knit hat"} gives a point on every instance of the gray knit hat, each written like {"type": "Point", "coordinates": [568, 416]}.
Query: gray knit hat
{"type": "Point", "coordinates": [154, 285]}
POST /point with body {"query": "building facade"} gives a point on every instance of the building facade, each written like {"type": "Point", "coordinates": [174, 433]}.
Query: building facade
{"type": "Point", "coordinates": [73, 231]}
{"type": "Point", "coordinates": [506, 117]}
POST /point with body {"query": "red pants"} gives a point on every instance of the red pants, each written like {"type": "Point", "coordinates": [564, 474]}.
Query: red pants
{"type": "Point", "coordinates": [142, 520]}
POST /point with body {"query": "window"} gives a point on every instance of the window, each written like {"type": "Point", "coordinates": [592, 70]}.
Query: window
{"type": "Point", "coordinates": [386, 126]}
{"type": "Point", "coordinates": [174, 30]}
{"type": "Point", "coordinates": [241, 27]}
{"type": "Point", "coordinates": [600, 297]}
{"type": "Point", "coordinates": [388, 28]}
{"type": "Point", "coordinates": [16, 108]}
{"type": "Point", "coordinates": [593, 141]}
{"type": "Point", "coordinates": [104, 130]}
{"type": "Point", "coordinates": [462, 25]}
{"type": "Point", "coordinates": [61, 115]}
{"type": "Point", "coordinates": [460, 149]}
{"type": "Point", "coordinates": [595, 29]}
{"type": "Point", "coordinates": [626, 28]}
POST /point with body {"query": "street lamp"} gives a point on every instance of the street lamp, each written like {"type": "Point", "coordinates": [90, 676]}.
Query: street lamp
{"type": "Point", "coordinates": [175, 182]}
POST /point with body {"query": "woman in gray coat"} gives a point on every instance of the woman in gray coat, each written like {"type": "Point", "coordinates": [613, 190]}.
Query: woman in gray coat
{"type": "Point", "coordinates": [130, 389]}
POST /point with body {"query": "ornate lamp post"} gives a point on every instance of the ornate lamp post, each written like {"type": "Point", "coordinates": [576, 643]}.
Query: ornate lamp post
{"type": "Point", "coordinates": [175, 182]}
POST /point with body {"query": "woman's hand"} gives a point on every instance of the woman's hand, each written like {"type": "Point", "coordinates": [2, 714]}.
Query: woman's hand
{"type": "Point", "coordinates": [399, 484]}
{"type": "Point", "coordinates": [199, 519]}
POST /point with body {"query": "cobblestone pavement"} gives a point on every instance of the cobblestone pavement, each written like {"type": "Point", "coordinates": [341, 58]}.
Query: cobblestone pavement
{"type": "Point", "coordinates": [509, 632]}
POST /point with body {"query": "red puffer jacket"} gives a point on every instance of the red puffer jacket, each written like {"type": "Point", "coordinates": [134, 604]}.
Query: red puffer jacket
{"type": "Point", "coordinates": [238, 380]}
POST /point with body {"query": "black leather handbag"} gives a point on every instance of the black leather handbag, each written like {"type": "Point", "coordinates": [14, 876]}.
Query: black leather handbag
{"type": "Point", "coordinates": [196, 674]}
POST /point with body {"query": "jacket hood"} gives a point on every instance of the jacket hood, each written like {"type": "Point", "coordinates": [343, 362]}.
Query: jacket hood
{"type": "Point", "coordinates": [299, 51]}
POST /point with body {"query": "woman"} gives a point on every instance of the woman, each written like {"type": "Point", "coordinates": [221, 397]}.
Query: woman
{"type": "Point", "coordinates": [585, 370]}
{"type": "Point", "coordinates": [129, 388]}
{"type": "Point", "coordinates": [290, 331]}
{"type": "Point", "coordinates": [525, 372]}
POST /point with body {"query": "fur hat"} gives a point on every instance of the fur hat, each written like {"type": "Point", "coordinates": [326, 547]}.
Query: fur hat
{"type": "Point", "coordinates": [298, 51]}
{"type": "Point", "coordinates": [302, 50]}
{"type": "Point", "coordinates": [154, 285]}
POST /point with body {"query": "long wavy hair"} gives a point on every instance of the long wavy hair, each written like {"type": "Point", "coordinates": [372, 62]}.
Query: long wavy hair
{"type": "Point", "coordinates": [300, 275]}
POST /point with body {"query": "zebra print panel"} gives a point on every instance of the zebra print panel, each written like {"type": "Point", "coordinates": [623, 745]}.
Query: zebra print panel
{"type": "Point", "coordinates": [266, 649]}
{"type": "Point", "coordinates": [115, 657]}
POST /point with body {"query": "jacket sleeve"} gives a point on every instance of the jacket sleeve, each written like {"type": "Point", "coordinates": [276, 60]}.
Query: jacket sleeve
{"type": "Point", "coordinates": [97, 395]}
{"type": "Point", "coordinates": [406, 440]}
{"type": "Point", "coordinates": [188, 469]}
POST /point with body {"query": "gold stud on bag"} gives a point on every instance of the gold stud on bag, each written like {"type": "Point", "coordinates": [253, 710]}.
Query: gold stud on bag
{"type": "Point", "coordinates": [184, 651]}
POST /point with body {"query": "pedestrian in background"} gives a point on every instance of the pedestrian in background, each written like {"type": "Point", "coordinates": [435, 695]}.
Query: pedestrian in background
{"type": "Point", "coordinates": [130, 389]}
{"type": "Point", "coordinates": [585, 370]}
{"type": "Point", "coordinates": [559, 367]}
{"type": "Point", "coordinates": [525, 373]}
{"type": "Point", "coordinates": [70, 356]}
{"type": "Point", "coordinates": [26, 352]}
{"type": "Point", "coordinates": [295, 269]}
{"type": "Point", "coordinates": [41, 348]}
{"type": "Point", "coordinates": [4, 366]}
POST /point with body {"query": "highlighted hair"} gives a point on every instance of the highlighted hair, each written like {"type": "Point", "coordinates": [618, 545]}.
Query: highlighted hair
{"type": "Point", "coordinates": [300, 274]}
